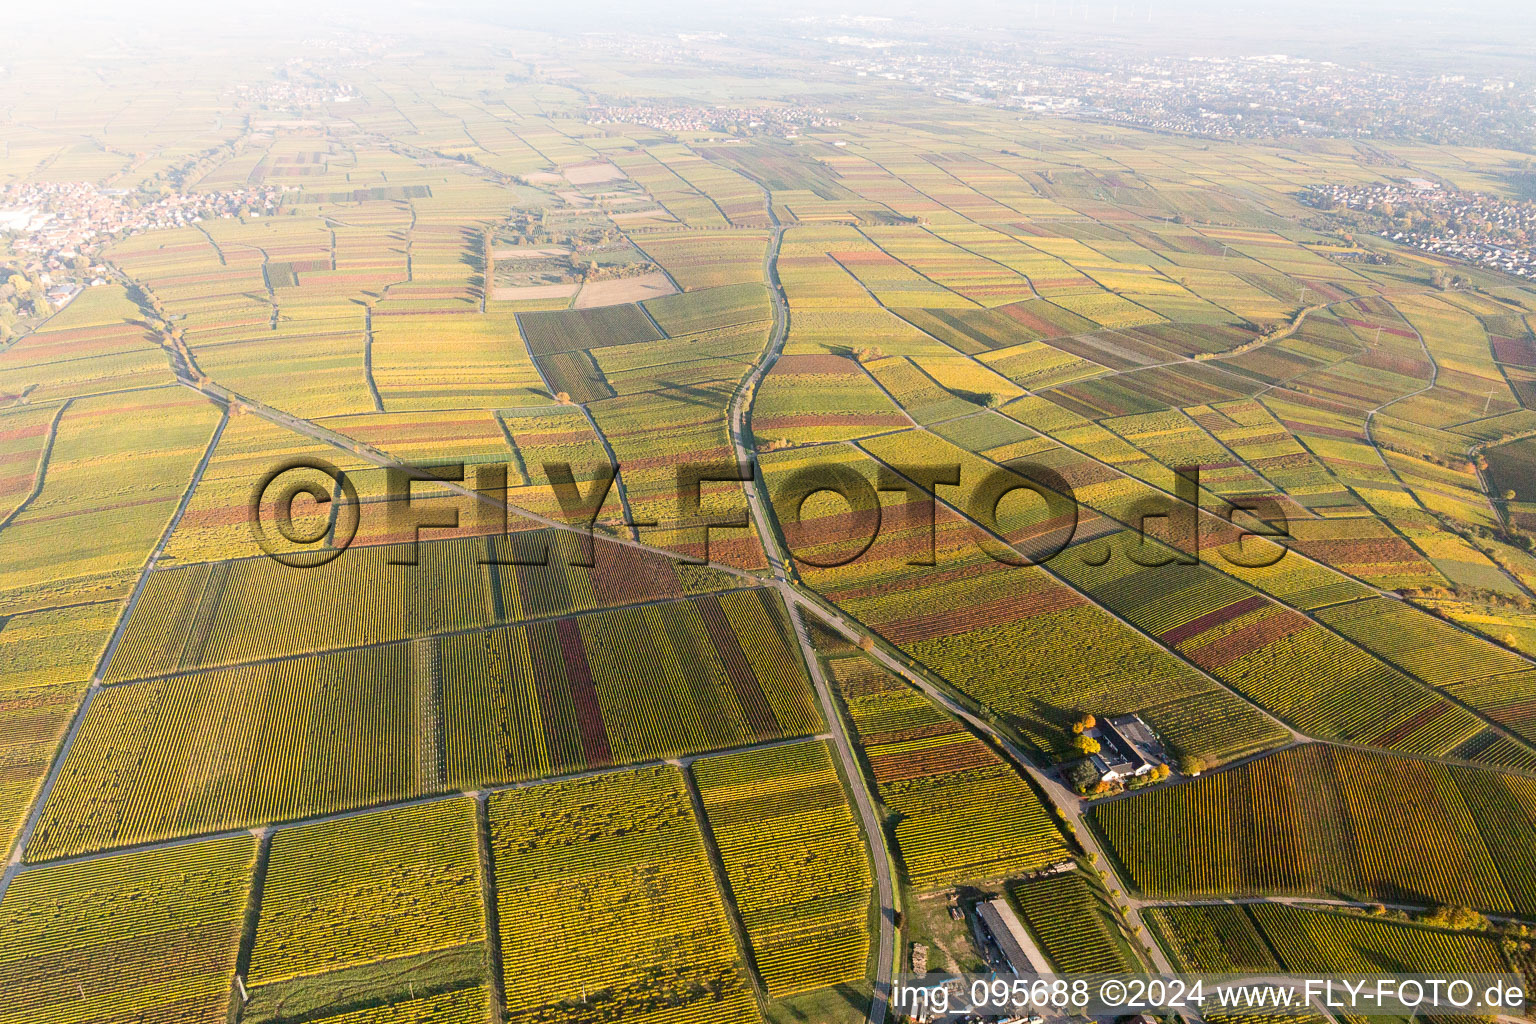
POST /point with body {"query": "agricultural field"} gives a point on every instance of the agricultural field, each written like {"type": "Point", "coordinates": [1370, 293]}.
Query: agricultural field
{"type": "Point", "coordinates": [464, 1006]}
{"type": "Point", "coordinates": [992, 629]}
{"type": "Point", "coordinates": [389, 722]}
{"type": "Point", "coordinates": [49, 657]}
{"type": "Point", "coordinates": [609, 904]}
{"type": "Point", "coordinates": [964, 813]}
{"type": "Point", "coordinates": [1269, 937]}
{"type": "Point", "coordinates": [220, 613]}
{"type": "Point", "coordinates": [408, 886]}
{"type": "Point", "coordinates": [809, 398]}
{"type": "Point", "coordinates": [852, 434]}
{"type": "Point", "coordinates": [1316, 820]}
{"type": "Point", "coordinates": [791, 850]}
{"type": "Point", "coordinates": [115, 468]}
{"type": "Point", "coordinates": [92, 941]}
{"type": "Point", "coordinates": [1071, 920]}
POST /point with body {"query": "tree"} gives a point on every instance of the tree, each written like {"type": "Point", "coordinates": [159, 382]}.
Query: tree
{"type": "Point", "coordinates": [563, 397]}
{"type": "Point", "coordinates": [1085, 721]}
{"type": "Point", "coordinates": [1461, 919]}
{"type": "Point", "coordinates": [1085, 744]}
{"type": "Point", "coordinates": [1190, 764]}
{"type": "Point", "coordinates": [1509, 494]}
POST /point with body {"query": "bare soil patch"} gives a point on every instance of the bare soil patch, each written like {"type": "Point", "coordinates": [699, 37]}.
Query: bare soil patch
{"type": "Point", "coordinates": [623, 289]}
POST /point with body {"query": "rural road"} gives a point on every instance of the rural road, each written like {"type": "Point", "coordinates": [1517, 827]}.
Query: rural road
{"type": "Point", "coordinates": [739, 424]}
{"type": "Point", "coordinates": [1061, 798]}
{"type": "Point", "coordinates": [739, 420]}
{"type": "Point", "coordinates": [880, 860]}
{"type": "Point", "coordinates": [739, 417]}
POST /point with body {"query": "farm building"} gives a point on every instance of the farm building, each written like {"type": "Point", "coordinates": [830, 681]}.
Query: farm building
{"type": "Point", "coordinates": [1124, 744]}
{"type": "Point", "coordinates": [1006, 931]}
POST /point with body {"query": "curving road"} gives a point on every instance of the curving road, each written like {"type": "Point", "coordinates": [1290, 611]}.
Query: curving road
{"type": "Point", "coordinates": [1060, 797]}
{"type": "Point", "coordinates": [739, 415]}
{"type": "Point", "coordinates": [739, 420]}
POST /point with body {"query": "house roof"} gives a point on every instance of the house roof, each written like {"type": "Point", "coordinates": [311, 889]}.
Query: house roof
{"type": "Point", "coordinates": [1118, 751]}
{"type": "Point", "coordinates": [1004, 926]}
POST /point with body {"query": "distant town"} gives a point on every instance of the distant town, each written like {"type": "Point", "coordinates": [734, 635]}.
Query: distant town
{"type": "Point", "coordinates": [286, 94]}
{"type": "Point", "coordinates": [1475, 227]}
{"type": "Point", "coordinates": [57, 223]}
{"type": "Point", "coordinates": [785, 122]}
{"type": "Point", "coordinates": [52, 231]}
{"type": "Point", "coordinates": [1254, 96]}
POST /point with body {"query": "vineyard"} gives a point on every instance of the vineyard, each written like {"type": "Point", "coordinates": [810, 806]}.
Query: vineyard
{"type": "Point", "coordinates": [286, 739]}
{"type": "Point", "coordinates": [710, 309]}
{"type": "Point", "coordinates": [964, 814]}
{"type": "Point", "coordinates": [820, 398]}
{"type": "Point", "coordinates": [1273, 937]}
{"type": "Point", "coordinates": [581, 329]}
{"type": "Point", "coordinates": [408, 885]}
{"type": "Point", "coordinates": [95, 344]}
{"type": "Point", "coordinates": [708, 259]}
{"type": "Point", "coordinates": [1318, 820]}
{"type": "Point", "coordinates": [221, 613]}
{"type": "Point", "coordinates": [636, 256]}
{"type": "Point", "coordinates": [216, 524]}
{"type": "Point", "coordinates": [465, 1006]}
{"type": "Point", "coordinates": [995, 630]}
{"type": "Point", "coordinates": [94, 942]}
{"type": "Point", "coordinates": [48, 657]}
{"type": "Point", "coordinates": [117, 467]}
{"type": "Point", "coordinates": [628, 685]}
{"type": "Point", "coordinates": [1074, 925]}
{"type": "Point", "coordinates": [608, 908]}
{"type": "Point", "coordinates": [1273, 655]}
{"type": "Point", "coordinates": [795, 861]}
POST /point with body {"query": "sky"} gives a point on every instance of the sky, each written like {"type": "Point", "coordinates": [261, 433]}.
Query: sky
{"type": "Point", "coordinates": [1383, 30]}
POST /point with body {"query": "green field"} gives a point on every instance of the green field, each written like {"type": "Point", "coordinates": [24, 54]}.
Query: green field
{"type": "Point", "coordinates": [729, 457]}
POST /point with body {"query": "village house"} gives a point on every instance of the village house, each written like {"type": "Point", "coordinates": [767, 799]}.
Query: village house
{"type": "Point", "coordinates": [1126, 746]}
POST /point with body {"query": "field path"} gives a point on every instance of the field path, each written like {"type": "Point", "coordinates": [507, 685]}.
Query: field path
{"type": "Point", "coordinates": [1063, 800]}
{"type": "Point", "coordinates": [35, 814]}
{"type": "Point", "coordinates": [739, 422]}
{"type": "Point", "coordinates": [40, 474]}
{"type": "Point", "coordinates": [1370, 437]}
{"type": "Point", "coordinates": [880, 857]}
